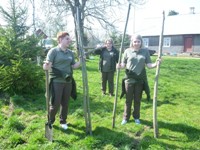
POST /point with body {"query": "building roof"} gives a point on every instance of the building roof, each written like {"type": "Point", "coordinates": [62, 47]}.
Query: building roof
{"type": "Point", "coordinates": [173, 25]}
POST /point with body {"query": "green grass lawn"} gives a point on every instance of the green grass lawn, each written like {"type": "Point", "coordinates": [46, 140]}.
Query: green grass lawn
{"type": "Point", "coordinates": [22, 120]}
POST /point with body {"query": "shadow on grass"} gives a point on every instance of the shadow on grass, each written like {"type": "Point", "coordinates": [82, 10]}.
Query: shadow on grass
{"type": "Point", "coordinates": [101, 136]}
{"type": "Point", "coordinates": [159, 103]}
{"type": "Point", "coordinates": [107, 136]}
{"type": "Point", "coordinates": [152, 143]}
{"type": "Point", "coordinates": [191, 132]}
{"type": "Point", "coordinates": [61, 142]}
{"type": "Point", "coordinates": [71, 131]}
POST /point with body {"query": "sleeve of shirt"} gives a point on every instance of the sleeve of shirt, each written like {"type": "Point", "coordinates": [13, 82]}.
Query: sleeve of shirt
{"type": "Point", "coordinates": [51, 55]}
{"type": "Point", "coordinates": [98, 51]}
{"type": "Point", "coordinates": [148, 58]}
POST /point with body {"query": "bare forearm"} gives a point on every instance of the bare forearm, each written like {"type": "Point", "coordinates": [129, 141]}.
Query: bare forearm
{"type": "Point", "coordinates": [76, 65]}
{"type": "Point", "coordinates": [153, 65]}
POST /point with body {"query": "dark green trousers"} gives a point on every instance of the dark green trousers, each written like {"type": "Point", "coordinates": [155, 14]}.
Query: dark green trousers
{"type": "Point", "coordinates": [62, 92]}
{"type": "Point", "coordinates": [107, 77]}
{"type": "Point", "coordinates": [133, 97]}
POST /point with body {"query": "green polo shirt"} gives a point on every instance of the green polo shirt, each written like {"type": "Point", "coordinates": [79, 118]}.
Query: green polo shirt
{"type": "Point", "coordinates": [61, 60]}
{"type": "Point", "coordinates": [136, 61]}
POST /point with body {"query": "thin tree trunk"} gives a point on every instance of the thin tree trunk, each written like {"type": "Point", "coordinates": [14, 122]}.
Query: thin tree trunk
{"type": "Point", "coordinates": [84, 77]}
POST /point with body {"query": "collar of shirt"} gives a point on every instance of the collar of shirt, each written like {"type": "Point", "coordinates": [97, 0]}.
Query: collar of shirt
{"type": "Point", "coordinates": [135, 51]}
{"type": "Point", "coordinates": [65, 51]}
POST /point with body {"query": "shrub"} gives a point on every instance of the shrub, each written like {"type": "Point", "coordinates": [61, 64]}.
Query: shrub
{"type": "Point", "coordinates": [22, 77]}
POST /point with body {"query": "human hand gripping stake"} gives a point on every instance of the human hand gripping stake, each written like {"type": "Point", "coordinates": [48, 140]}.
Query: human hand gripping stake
{"type": "Point", "coordinates": [78, 64]}
{"type": "Point", "coordinates": [47, 65]}
{"type": "Point", "coordinates": [120, 65]}
{"type": "Point", "coordinates": [153, 65]}
{"type": "Point", "coordinates": [158, 61]}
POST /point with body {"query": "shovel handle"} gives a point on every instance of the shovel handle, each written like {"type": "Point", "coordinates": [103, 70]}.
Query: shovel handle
{"type": "Point", "coordinates": [47, 92]}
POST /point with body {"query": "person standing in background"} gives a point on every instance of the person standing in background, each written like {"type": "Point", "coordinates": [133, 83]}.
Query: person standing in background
{"type": "Point", "coordinates": [60, 62]}
{"type": "Point", "coordinates": [107, 65]}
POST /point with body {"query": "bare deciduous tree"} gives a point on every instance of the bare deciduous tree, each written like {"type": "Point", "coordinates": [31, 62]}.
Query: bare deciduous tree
{"type": "Point", "coordinates": [92, 12]}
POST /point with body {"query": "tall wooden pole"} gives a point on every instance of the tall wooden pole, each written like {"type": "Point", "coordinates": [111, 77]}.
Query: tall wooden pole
{"type": "Point", "coordinates": [118, 70]}
{"type": "Point", "coordinates": [84, 76]}
{"type": "Point", "coordinates": [155, 122]}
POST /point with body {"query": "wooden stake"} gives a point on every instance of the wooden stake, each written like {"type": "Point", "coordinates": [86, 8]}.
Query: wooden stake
{"type": "Point", "coordinates": [155, 123]}
{"type": "Point", "coordinates": [118, 70]}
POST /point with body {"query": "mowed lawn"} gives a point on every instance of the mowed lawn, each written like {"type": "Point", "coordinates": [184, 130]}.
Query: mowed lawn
{"type": "Point", "coordinates": [22, 119]}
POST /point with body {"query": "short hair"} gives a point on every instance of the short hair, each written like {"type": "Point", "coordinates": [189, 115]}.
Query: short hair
{"type": "Point", "coordinates": [136, 36]}
{"type": "Point", "coordinates": [109, 40]}
{"type": "Point", "coordinates": [61, 35]}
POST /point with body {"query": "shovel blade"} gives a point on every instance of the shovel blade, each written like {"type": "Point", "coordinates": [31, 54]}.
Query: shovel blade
{"type": "Point", "coordinates": [49, 132]}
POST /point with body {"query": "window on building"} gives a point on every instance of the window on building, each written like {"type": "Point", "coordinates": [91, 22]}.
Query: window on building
{"type": "Point", "coordinates": [166, 42]}
{"type": "Point", "coordinates": [145, 42]}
